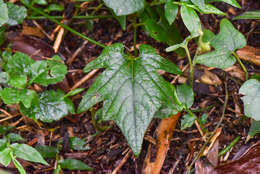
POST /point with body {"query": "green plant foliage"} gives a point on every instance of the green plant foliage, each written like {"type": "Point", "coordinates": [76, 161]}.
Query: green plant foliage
{"type": "Point", "coordinates": [50, 106]}
{"type": "Point", "coordinates": [54, 7]}
{"type": "Point", "coordinates": [3, 13]}
{"type": "Point", "coordinates": [73, 164]}
{"type": "Point", "coordinates": [16, 14]}
{"type": "Point", "coordinates": [225, 43]}
{"type": "Point", "coordinates": [187, 120]}
{"type": "Point", "coordinates": [139, 93]}
{"type": "Point", "coordinates": [5, 157]}
{"type": "Point", "coordinates": [248, 15]}
{"type": "Point", "coordinates": [5, 129]}
{"type": "Point", "coordinates": [40, 2]}
{"type": "Point", "coordinates": [185, 95]}
{"type": "Point", "coordinates": [191, 20]}
{"type": "Point", "coordinates": [171, 11]}
{"type": "Point", "coordinates": [47, 151]}
{"type": "Point", "coordinates": [14, 137]}
{"type": "Point", "coordinates": [254, 128]}
{"type": "Point", "coordinates": [251, 99]}
{"type": "Point", "coordinates": [78, 143]}
{"type": "Point", "coordinates": [125, 7]}
{"type": "Point", "coordinates": [28, 153]}
{"type": "Point", "coordinates": [231, 2]}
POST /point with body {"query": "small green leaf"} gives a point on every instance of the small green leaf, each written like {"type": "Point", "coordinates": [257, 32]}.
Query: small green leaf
{"type": "Point", "coordinates": [218, 58]}
{"type": "Point", "coordinates": [125, 7]}
{"type": "Point", "coordinates": [187, 121]}
{"type": "Point", "coordinates": [254, 128]}
{"type": "Point", "coordinates": [51, 106]}
{"type": "Point", "coordinates": [4, 77]}
{"type": "Point", "coordinates": [16, 14]}
{"type": "Point", "coordinates": [171, 11]}
{"type": "Point", "coordinates": [28, 153]}
{"type": "Point", "coordinates": [199, 3]}
{"type": "Point", "coordinates": [5, 157]}
{"type": "Point", "coordinates": [40, 2]}
{"type": "Point", "coordinates": [191, 20]}
{"type": "Point", "coordinates": [48, 72]}
{"type": "Point", "coordinates": [248, 15]}
{"type": "Point", "coordinates": [203, 118]}
{"type": "Point", "coordinates": [47, 151]}
{"type": "Point", "coordinates": [185, 95]}
{"type": "Point", "coordinates": [78, 143]}
{"type": "Point", "coordinates": [210, 9]}
{"type": "Point", "coordinates": [3, 13]}
{"type": "Point", "coordinates": [139, 93]}
{"type": "Point", "coordinates": [3, 144]}
{"type": "Point", "coordinates": [251, 99]}
{"type": "Point", "coordinates": [73, 164]}
{"type": "Point", "coordinates": [4, 129]}
{"type": "Point", "coordinates": [14, 137]}
{"type": "Point", "coordinates": [54, 7]}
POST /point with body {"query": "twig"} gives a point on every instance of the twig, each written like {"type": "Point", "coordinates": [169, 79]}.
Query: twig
{"type": "Point", "coordinates": [71, 59]}
{"type": "Point", "coordinates": [123, 161]}
{"type": "Point", "coordinates": [84, 79]}
{"type": "Point", "coordinates": [219, 123]}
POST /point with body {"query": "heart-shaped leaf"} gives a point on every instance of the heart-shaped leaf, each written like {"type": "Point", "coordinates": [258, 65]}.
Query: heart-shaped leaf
{"type": "Point", "coordinates": [251, 99]}
{"type": "Point", "coordinates": [131, 89]}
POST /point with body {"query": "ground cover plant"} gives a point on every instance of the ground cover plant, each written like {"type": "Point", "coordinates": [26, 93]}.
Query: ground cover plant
{"type": "Point", "coordinates": [100, 85]}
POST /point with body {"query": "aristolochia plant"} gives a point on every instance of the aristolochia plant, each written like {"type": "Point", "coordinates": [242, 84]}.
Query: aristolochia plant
{"type": "Point", "coordinates": [131, 90]}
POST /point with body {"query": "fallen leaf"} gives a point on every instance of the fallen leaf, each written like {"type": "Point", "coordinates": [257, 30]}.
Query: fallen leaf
{"type": "Point", "coordinates": [250, 54]}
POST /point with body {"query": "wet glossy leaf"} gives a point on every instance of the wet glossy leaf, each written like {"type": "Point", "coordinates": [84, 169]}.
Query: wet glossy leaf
{"type": "Point", "coordinates": [3, 13]}
{"type": "Point", "coordinates": [139, 91]}
{"type": "Point", "coordinates": [251, 99]}
{"type": "Point", "coordinates": [187, 121]}
{"type": "Point", "coordinates": [191, 20]}
{"type": "Point", "coordinates": [199, 3]}
{"type": "Point", "coordinates": [16, 14]}
{"type": "Point", "coordinates": [73, 164]}
{"type": "Point", "coordinates": [171, 11]}
{"type": "Point", "coordinates": [54, 7]}
{"type": "Point", "coordinates": [5, 157]}
{"type": "Point", "coordinates": [40, 2]}
{"type": "Point", "coordinates": [231, 2]}
{"type": "Point", "coordinates": [48, 72]}
{"type": "Point", "coordinates": [125, 7]}
{"type": "Point", "coordinates": [185, 95]}
{"type": "Point", "coordinates": [248, 15]}
{"type": "Point", "coordinates": [28, 153]}
{"type": "Point", "coordinates": [50, 106]}
{"type": "Point", "coordinates": [47, 151]}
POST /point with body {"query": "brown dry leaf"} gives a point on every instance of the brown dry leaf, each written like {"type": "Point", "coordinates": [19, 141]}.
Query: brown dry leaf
{"type": "Point", "coordinates": [236, 71]}
{"type": "Point", "coordinates": [250, 54]}
{"type": "Point", "coordinates": [164, 134]}
{"type": "Point", "coordinates": [248, 163]}
{"type": "Point", "coordinates": [210, 78]}
{"type": "Point", "coordinates": [32, 31]}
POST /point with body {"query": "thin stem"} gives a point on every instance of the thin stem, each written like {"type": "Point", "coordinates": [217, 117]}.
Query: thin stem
{"type": "Point", "coordinates": [225, 150]}
{"type": "Point", "coordinates": [241, 64]}
{"type": "Point", "coordinates": [190, 64]}
{"type": "Point", "coordinates": [212, 134]}
{"type": "Point", "coordinates": [73, 17]}
{"type": "Point", "coordinates": [97, 8]}
{"type": "Point", "coordinates": [135, 35]}
{"type": "Point", "coordinates": [64, 26]}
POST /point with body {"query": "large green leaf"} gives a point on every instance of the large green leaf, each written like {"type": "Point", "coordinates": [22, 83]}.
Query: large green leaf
{"type": "Point", "coordinates": [131, 89]}
{"type": "Point", "coordinates": [5, 157]}
{"type": "Point", "coordinates": [28, 153]}
{"type": "Point", "coordinates": [125, 7]}
{"type": "Point", "coordinates": [225, 42]}
{"type": "Point", "coordinates": [171, 11]}
{"type": "Point", "coordinates": [50, 106]}
{"type": "Point", "coordinates": [16, 14]}
{"type": "Point", "coordinates": [251, 99]}
{"type": "Point", "coordinates": [249, 15]}
{"type": "Point", "coordinates": [3, 13]}
{"type": "Point", "coordinates": [185, 95]}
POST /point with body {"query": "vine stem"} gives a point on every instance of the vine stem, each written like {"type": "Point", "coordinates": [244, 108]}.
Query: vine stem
{"type": "Point", "coordinates": [212, 134]}
{"type": "Point", "coordinates": [242, 65]}
{"type": "Point", "coordinates": [73, 17]}
{"type": "Point", "coordinates": [190, 64]}
{"type": "Point", "coordinates": [63, 25]}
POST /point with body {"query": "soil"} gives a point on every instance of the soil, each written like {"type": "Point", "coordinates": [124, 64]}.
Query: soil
{"type": "Point", "coordinates": [108, 148]}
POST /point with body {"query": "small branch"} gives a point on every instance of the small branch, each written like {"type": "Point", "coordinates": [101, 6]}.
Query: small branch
{"type": "Point", "coordinates": [63, 25]}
